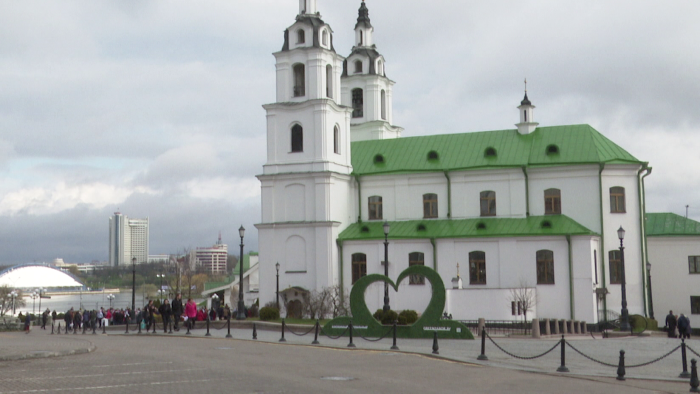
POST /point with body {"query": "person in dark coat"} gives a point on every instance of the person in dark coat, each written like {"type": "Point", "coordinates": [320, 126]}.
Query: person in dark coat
{"type": "Point", "coordinates": [77, 320]}
{"type": "Point", "coordinates": [684, 326]}
{"type": "Point", "coordinates": [177, 309]}
{"type": "Point", "coordinates": [44, 318]}
{"type": "Point", "coordinates": [27, 323]}
{"type": "Point", "coordinates": [165, 311]}
{"type": "Point", "coordinates": [671, 324]}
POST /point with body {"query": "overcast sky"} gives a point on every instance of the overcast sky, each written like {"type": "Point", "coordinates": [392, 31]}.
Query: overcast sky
{"type": "Point", "coordinates": [153, 108]}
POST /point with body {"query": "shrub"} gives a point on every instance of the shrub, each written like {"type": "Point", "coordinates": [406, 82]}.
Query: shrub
{"type": "Point", "coordinates": [387, 317]}
{"type": "Point", "coordinates": [269, 313]}
{"type": "Point", "coordinates": [253, 311]}
{"type": "Point", "coordinates": [401, 321]}
{"type": "Point", "coordinates": [409, 315]}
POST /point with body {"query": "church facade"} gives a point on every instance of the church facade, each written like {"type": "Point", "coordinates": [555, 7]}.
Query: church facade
{"type": "Point", "coordinates": [535, 207]}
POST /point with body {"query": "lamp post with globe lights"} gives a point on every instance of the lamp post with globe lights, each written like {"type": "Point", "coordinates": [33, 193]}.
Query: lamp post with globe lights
{"type": "Point", "coordinates": [277, 293]}
{"type": "Point", "coordinates": [624, 315]}
{"type": "Point", "coordinates": [14, 294]}
{"type": "Point", "coordinates": [34, 296]}
{"type": "Point", "coordinates": [41, 292]}
{"type": "Point", "coordinates": [651, 303]}
{"type": "Point", "coordinates": [133, 284]}
{"type": "Point", "coordinates": [386, 265]}
{"type": "Point", "coordinates": [241, 305]}
{"type": "Point", "coordinates": [110, 298]}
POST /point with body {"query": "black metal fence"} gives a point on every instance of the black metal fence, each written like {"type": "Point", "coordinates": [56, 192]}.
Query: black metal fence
{"type": "Point", "coordinates": [500, 327]}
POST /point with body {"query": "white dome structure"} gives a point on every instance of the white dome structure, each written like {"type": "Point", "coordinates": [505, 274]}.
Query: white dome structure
{"type": "Point", "coordinates": [31, 276]}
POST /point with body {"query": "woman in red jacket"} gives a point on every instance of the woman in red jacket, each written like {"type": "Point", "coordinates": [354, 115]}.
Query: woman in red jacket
{"type": "Point", "coordinates": [190, 312]}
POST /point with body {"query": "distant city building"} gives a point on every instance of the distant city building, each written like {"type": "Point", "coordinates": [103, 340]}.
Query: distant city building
{"type": "Point", "coordinates": [159, 258]}
{"type": "Point", "coordinates": [128, 238]}
{"type": "Point", "coordinates": [213, 259]}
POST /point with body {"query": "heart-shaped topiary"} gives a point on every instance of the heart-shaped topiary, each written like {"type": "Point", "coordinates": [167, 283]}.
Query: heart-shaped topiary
{"type": "Point", "coordinates": [365, 324]}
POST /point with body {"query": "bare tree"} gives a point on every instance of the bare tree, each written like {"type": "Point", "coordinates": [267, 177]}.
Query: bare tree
{"type": "Point", "coordinates": [524, 297]}
{"type": "Point", "coordinates": [6, 300]}
{"type": "Point", "coordinates": [327, 302]}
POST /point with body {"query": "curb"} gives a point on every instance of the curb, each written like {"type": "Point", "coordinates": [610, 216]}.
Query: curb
{"type": "Point", "coordinates": [48, 354]}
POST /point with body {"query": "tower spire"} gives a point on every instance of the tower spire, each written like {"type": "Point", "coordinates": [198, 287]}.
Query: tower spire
{"type": "Point", "coordinates": [525, 101]}
{"type": "Point", "coordinates": [527, 121]}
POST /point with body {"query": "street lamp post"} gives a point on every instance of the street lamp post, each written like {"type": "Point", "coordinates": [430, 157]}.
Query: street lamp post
{"type": "Point", "coordinates": [241, 305]}
{"type": "Point", "coordinates": [277, 293]}
{"type": "Point", "coordinates": [133, 285]}
{"type": "Point", "coordinates": [651, 303]}
{"type": "Point", "coordinates": [161, 276]}
{"type": "Point", "coordinates": [110, 298]}
{"type": "Point", "coordinates": [34, 297]}
{"type": "Point", "coordinates": [14, 295]}
{"type": "Point", "coordinates": [41, 292]}
{"type": "Point", "coordinates": [386, 265]}
{"type": "Point", "coordinates": [624, 316]}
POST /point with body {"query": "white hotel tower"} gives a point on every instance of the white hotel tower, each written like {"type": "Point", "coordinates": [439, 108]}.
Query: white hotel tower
{"type": "Point", "coordinates": [128, 238]}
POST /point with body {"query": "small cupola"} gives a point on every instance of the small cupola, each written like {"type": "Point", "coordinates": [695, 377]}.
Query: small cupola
{"type": "Point", "coordinates": [527, 121]}
{"type": "Point", "coordinates": [363, 27]}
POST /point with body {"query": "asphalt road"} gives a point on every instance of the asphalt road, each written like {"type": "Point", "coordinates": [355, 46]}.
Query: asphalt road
{"type": "Point", "coordinates": [127, 364]}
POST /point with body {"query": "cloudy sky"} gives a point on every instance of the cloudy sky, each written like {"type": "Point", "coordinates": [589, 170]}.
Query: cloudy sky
{"type": "Point", "coordinates": [153, 108]}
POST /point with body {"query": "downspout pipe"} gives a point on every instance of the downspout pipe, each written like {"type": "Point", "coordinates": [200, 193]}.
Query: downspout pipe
{"type": "Point", "coordinates": [435, 264]}
{"type": "Point", "coordinates": [572, 308]}
{"type": "Point", "coordinates": [602, 241]}
{"type": "Point", "coordinates": [449, 195]}
{"type": "Point", "coordinates": [340, 266]}
{"type": "Point", "coordinates": [359, 199]}
{"type": "Point", "coordinates": [527, 192]}
{"type": "Point", "coordinates": [642, 234]}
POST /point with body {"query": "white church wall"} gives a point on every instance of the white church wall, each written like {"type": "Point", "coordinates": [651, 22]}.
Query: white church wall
{"type": "Point", "coordinates": [490, 304]}
{"type": "Point", "coordinates": [509, 185]}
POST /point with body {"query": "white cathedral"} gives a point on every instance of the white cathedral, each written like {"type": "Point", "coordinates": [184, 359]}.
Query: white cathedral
{"type": "Point", "coordinates": [534, 207]}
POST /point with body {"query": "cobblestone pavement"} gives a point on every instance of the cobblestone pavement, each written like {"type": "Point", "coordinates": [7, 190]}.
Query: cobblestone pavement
{"type": "Point", "coordinates": [16, 345]}
{"type": "Point", "coordinates": [180, 363]}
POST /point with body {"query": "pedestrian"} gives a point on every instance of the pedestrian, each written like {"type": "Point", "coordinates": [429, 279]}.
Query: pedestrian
{"type": "Point", "coordinates": [148, 316]}
{"type": "Point", "coordinates": [53, 316]}
{"type": "Point", "coordinates": [77, 320]}
{"type": "Point", "coordinates": [683, 326]}
{"type": "Point", "coordinates": [177, 309]}
{"type": "Point", "coordinates": [44, 318]}
{"type": "Point", "coordinates": [227, 312]}
{"type": "Point", "coordinates": [93, 319]}
{"type": "Point", "coordinates": [68, 318]}
{"type": "Point", "coordinates": [27, 323]}
{"type": "Point", "coordinates": [191, 312]}
{"type": "Point", "coordinates": [165, 311]}
{"type": "Point", "coordinates": [100, 316]}
{"type": "Point", "coordinates": [670, 325]}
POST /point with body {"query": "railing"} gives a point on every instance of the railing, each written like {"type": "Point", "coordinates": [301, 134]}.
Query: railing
{"type": "Point", "coordinates": [500, 327]}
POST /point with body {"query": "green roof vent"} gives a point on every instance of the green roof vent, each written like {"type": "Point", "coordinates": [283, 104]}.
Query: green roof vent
{"type": "Point", "coordinates": [546, 224]}
{"type": "Point", "coordinates": [421, 227]}
{"type": "Point", "coordinates": [552, 150]}
{"type": "Point", "coordinates": [378, 159]}
{"type": "Point", "coordinates": [432, 155]}
{"type": "Point", "coordinates": [364, 229]}
{"type": "Point", "coordinates": [490, 152]}
{"type": "Point", "coordinates": [481, 226]}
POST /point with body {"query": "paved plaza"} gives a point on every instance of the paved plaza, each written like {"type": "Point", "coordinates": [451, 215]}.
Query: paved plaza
{"type": "Point", "coordinates": [117, 363]}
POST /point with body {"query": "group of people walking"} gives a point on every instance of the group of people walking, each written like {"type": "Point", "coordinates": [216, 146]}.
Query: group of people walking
{"type": "Point", "coordinates": [677, 326]}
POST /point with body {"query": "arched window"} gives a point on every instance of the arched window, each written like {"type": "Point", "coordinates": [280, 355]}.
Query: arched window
{"type": "Point", "coordinates": [357, 103]}
{"type": "Point", "coordinates": [383, 104]}
{"type": "Point", "coordinates": [416, 258]}
{"type": "Point", "coordinates": [380, 67]}
{"type": "Point", "coordinates": [329, 81]}
{"type": "Point", "coordinates": [552, 202]}
{"type": "Point", "coordinates": [336, 140]}
{"type": "Point", "coordinates": [615, 267]}
{"type": "Point", "coordinates": [430, 207]}
{"type": "Point", "coordinates": [324, 38]}
{"type": "Point", "coordinates": [359, 266]}
{"type": "Point", "coordinates": [477, 268]}
{"type": "Point", "coordinates": [617, 199]}
{"type": "Point", "coordinates": [525, 114]}
{"type": "Point", "coordinates": [361, 38]}
{"type": "Point", "coordinates": [299, 80]}
{"type": "Point", "coordinates": [487, 200]}
{"type": "Point", "coordinates": [375, 208]}
{"type": "Point", "coordinates": [545, 267]}
{"type": "Point", "coordinates": [358, 66]}
{"type": "Point", "coordinates": [301, 36]}
{"type": "Point", "coordinates": [297, 138]}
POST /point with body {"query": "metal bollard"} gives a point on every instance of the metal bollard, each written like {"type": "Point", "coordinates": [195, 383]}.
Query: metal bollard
{"type": "Point", "coordinates": [694, 382]}
{"type": "Point", "coordinates": [435, 343]}
{"type": "Point", "coordinates": [315, 342]}
{"type": "Point", "coordinates": [482, 356]}
{"type": "Point", "coordinates": [51, 328]}
{"type": "Point", "coordinates": [685, 374]}
{"type": "Point", "coordinates": [394, 347]}
{"type": "Point", "coordinates": [127, 327]}
{"type": "Point", "coordinates": [282, 339]}
{"type": "Point", "coordinates": [170, 327]}
{"type": "Point", "coordinates": [75, 329]}
{"type": "Point", "coordinates": [350, 328]}
{"type": "Point", "coordinates": [188, 327]}
{"type": "Point", "coordinates": [562, 367]}
{"type": "Point", "coordinates": [94, 328]}
{"type": "Point", "coordinates": [59, 329]}
{"type": "Point", "coordinates": [228, 325]}
{"type": "Point", "coordinates": [207, 334]}
{"type": "Point", "coordinates": [104, 328]}
{"type": "Point", "coordinates": [255, 331]}
{"type": "Point", "coordinates": [84, 328]}
{"type": "Point", "coordinates": [153, 320]}
{"type": "Point", "coordinates": [621, 366]}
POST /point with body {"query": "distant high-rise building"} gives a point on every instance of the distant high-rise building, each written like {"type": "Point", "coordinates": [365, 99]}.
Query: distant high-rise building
{"type": "Point", "coordinates": [213, 259]}
{"type": "Point", "coordinates": [128, 238]}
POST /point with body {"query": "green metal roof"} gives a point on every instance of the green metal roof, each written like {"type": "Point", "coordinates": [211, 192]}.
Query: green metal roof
{"type": "Point", "coordinates": [670, 224]}
{"type": "Point", "coordinates": [246, 263]}
{"type": "Point", "coordinates": [467, 228]}
{"type": "Point", "coordinates": [576, 144]}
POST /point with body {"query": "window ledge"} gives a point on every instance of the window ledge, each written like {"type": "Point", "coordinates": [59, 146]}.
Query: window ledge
{"type": "Point", "coordinates": [294, 272]}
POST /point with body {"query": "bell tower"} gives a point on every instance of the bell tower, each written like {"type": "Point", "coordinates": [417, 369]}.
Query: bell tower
{"type": "Point", "coordinates": [366, 88]}
{"type": "Point", "coordinates": [527, 121]}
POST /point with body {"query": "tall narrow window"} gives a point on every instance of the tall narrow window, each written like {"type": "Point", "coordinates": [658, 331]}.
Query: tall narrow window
{"type": "Point", "coordinates": [477, 268]}
{"type": "Point", "coordinates": [380, 67]}
{"type": "Point", "coordinates": [694, 264]}
{"type": "Point", "coordinates": [329, 81]}
{"type": "Point", "coordinates": [336, 140]}
{"type": "Point", "coordinates": [361, 38]}
{"type": "Point", "coordinates": [552, 202]}
{"type": "Point", "coordinates": [545, 267]}
{"type": "Point", "coordinates": [358, 66]}
{"type": "Point", "coordinates": [617, 199]}
{"type": "Point", "coordinates": [357, 103]}
{"type": "Point", "coordinates": [487, 200]}
{"type": "Point", "coordinates": [416, 258]}
{"type": "Point", "coordinates": [383, 104]}
{"type": "Point", "coordinates": [324, 38]}
{"type": "Point", "coordinates": [299, 80]}
{"type": "Point", "coordinates": [525, 114]}
{"type": "Point", "coordinates": [430, 207]}
{"type": "Point", "coordinates": [375, 208]}
{"type": "Point", "coordinates": [615, 267]}
{"type": "Point", "coordinates": [301, 36]}
{"type": "Point", "coordinates": [359, 266]}
{"type": "Point", "coordinates": [297, 138]}
{"type": "Point", "coordinates": [694, 305]}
